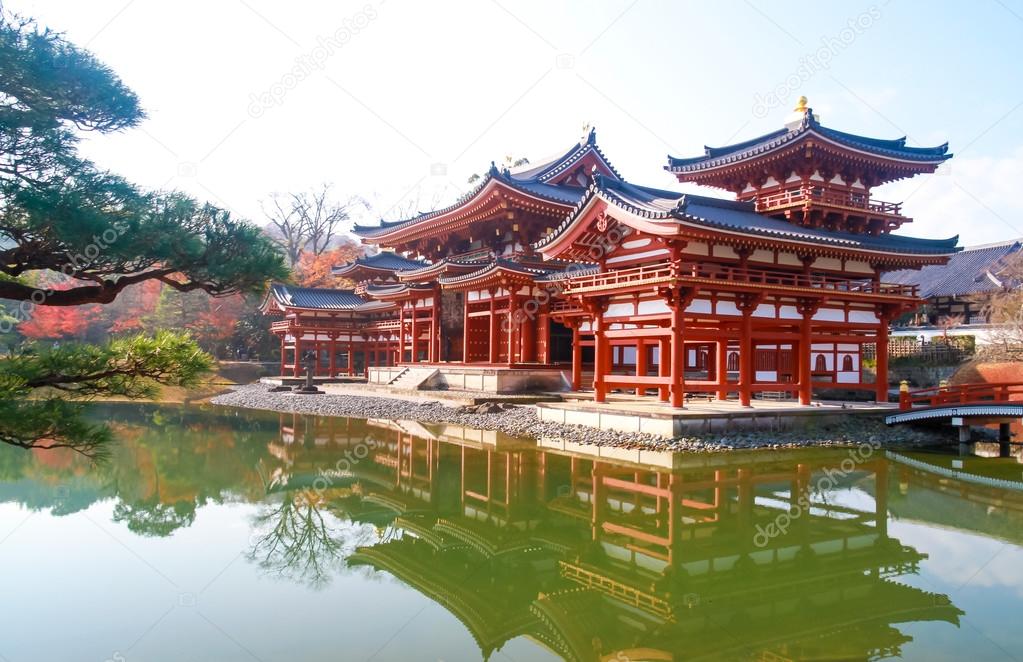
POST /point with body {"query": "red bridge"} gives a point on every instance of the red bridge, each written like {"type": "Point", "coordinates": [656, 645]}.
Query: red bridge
{"type": "Point", "coordinates": [963, 405]}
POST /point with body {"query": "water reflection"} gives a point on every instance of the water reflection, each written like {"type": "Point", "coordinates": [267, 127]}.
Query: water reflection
{"type": "Point", "coordinates": [625, 556]}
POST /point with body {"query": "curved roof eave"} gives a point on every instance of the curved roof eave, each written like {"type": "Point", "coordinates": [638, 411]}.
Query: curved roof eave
{"type": "Point", "coordinates": [716, 157]}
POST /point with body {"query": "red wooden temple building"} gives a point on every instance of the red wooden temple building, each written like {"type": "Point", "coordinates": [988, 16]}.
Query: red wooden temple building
{"type": "Point", "coordinates": [565, 274]}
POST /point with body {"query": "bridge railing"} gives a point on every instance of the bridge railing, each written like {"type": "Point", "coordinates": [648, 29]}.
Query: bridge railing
{"type": "Point", "coordinates": [961, 394]}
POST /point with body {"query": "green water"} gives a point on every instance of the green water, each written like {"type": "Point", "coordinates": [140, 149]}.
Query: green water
{"type": "Point", "coordinates": [224, 535]}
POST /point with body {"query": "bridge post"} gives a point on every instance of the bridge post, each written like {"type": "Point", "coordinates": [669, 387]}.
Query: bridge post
{"type": "Point", "coordinates": [1004, 432]}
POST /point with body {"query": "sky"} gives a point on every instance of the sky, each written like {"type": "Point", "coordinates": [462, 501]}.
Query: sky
{"type": "Point", "coordinates": [399, 102]}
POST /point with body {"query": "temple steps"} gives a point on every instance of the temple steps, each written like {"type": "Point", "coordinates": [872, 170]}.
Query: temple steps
{"type": "Point", "coordinates": [411, 379]}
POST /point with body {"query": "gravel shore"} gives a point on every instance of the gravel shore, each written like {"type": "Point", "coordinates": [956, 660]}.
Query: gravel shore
{"type": "Point", "coordinates": [522, 421]}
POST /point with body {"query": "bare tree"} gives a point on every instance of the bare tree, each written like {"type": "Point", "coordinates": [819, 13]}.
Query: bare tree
{"type": "Point", "coordinates": [308, 221]}
{"type": "Point", "coordinates": [288, 225]}
{"type": "Point", "coordinates": [323, 216]}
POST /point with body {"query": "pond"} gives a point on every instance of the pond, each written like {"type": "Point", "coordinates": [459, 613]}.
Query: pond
{"type": "Point", "coordinates": [216, 534]}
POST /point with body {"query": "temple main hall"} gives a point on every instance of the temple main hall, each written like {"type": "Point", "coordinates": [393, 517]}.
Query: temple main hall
{"type": "Point", "coordinates": [563, 275]}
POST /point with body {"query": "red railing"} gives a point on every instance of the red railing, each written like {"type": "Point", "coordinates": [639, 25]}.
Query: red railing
{"type": "Point", "coordinates": [962, 394]}
{"type": "Point", "coordinates": [813, 194]}
{"type": "Point", "coordinates": [650, 275]}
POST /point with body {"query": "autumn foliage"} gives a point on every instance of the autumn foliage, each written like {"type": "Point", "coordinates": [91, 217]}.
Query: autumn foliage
{"type": "Point", "coordinates": [314, 270]}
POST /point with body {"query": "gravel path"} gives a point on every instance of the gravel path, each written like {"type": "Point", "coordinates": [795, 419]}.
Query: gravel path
{"type": "Point", "coordinates": [521, 421]}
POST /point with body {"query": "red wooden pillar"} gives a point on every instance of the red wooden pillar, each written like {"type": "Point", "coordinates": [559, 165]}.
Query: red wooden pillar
{"type": "Point", "coordinates": [527, 339]}
{"type": "Point", "coordinates": [678, 352]}
{"type": "Point", "coordinates": [601, 358]}
{"type": "Point", "coordinates": [283, 361]}
{"type": "Point", "coordinates": [465, 328]}
{"type": "Point", "coordinates": [414, 331]}
{"type": "Point", "coordinates": [805, 353]}
{"type": "Point", "coordinates": [435, 327]}
{"type": "Point", "coordinates": [493, 350]}
{"type": "Point", "coordinates": [881, 381]}
{"type": "Point", "coordinates": [513, 329]}
{"type": "Point", "coordinates": [641, 366]}
{"type": "Point", "coordinates": [577, 356]}
{"type": "Point", "coordinates": [351, 357]}
{"type": "Point", "coordinates": [544, 331]}
{"type": "Point", "coordinates": [401, 333]}
{"type": "Point", "coordinates": [721, 358]}
{"type": "Point", "coordinates": [746, 304]}
{"type": "Point", "coordinates": [333, 354]}
{"type": "Point", "coordinates": [663, 365]}
{"type": "Point", "coordinates": [296, 369]}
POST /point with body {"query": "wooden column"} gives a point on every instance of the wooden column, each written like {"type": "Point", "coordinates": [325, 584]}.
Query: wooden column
{"type": "Point", "coordinates": [678, 352]}
{"type": "Point", "coordinates": [881, 381]}
{"type": "Point", "coordinates": [544, 334]}
{"type": "Point", "coordinates": [601, 351]}
{"type": "Point", "coordinates": [494, 348]}
{"type": "Point", "coordinates": [577, 356]}
{"type": "Point", "coordinates": [351, 357]}
{"type": "Point", "coordinates": [436, 328]}
{"type": "Point", "coordinates": [746, 303]}
{"type": "Point", "coordinates": [663, 365]}
{"type": "Point", "coordinates": [296, 369]}
{"type": "Point", "coordinates": [465, 327]}
{"type": "Point", "coordinates": [283, 362]}
{"type": "Point", "coordinates": [401, 332]}
{"type": "Point", "coordinates": [414, 332]}
{"type": "Point", "coordinates": [722, 369]}
{"type": "Point", "coordinates": [333, 354]}
{"type": "Point", "coordinates": [527, 339]}
{"type": "Point", "coordinates": [513, 329]}
{"type": "Point", "coordinates": [641, 367]}
{"type": "Point", "coordinates": [807, 309]}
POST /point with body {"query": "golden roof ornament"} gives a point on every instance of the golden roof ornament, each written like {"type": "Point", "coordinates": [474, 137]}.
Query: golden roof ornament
{"type": "Point", "coordinates": [801, 106]}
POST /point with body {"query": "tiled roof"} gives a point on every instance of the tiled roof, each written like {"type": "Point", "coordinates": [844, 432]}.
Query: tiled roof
{"type": "Point", "coordinates": [532, 181]}
{"type": "Point", "coordinates": [532, 268]}
{"type": "Point", "coordinates": [895, 149]}
{"type": "Point", "coordinates": [974, 270]}
{"type": "Point", "coordinates": [314, 297]}
{"type": "Point", "coordinates": [383, 261]}
{"type": "Point", "coordinates": [731, 215]}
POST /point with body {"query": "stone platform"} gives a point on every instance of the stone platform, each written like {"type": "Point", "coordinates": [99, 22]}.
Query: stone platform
{"type": "Point", "coordinates": [488, 379]}
{"type": "Point", "coordinates": [625, 413]}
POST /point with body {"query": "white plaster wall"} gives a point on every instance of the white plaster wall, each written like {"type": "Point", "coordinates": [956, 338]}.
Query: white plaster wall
{"type": "Point", "coordinates": [863, 316]}
{"type": "Point", "coordinates": [620, 310]}
{"type": "Point", "coordinates": [727, 308]}
{"type": "Point", "coordinates": [699, 306]}
{"type": "Point", "coordinates": [830, 315]}
{"type": "Point", "coordinates": [653, 307]}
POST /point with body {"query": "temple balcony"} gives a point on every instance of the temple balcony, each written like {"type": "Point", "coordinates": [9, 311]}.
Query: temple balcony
{"type": "Point", "coordinates": [846, 210]}
{"type": "Point", "coordinates": [726, 277]}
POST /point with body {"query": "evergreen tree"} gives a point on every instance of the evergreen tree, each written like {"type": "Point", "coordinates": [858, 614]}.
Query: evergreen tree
{"type": "Point", "coordinates": [88, 235]}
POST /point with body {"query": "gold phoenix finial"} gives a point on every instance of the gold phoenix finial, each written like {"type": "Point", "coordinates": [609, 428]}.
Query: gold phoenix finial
{"type": "Point", "coordinates": [800, 105]}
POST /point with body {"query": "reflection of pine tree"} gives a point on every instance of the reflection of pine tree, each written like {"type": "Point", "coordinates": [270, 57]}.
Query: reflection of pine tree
{"type": "Point", "coordinates": [153, 518]}
{"type": "Point", "coordinates": [302, 542]}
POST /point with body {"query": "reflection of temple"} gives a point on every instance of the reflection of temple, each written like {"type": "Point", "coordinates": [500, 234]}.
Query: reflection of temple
{"type": "Point", "coordinates": [605, 560]}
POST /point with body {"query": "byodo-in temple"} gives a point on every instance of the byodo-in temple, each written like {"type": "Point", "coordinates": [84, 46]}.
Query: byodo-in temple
{"type": "Point", "coordinates": [563, 275]}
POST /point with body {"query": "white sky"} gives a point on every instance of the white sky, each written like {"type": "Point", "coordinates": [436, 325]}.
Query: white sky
{"type": "Point", "coordinates": [422, 94]}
